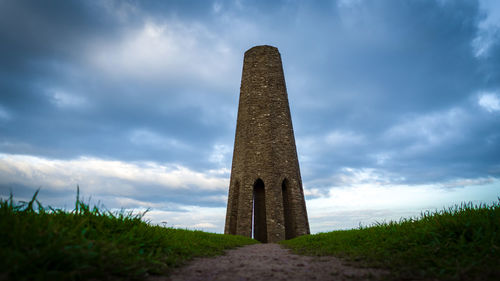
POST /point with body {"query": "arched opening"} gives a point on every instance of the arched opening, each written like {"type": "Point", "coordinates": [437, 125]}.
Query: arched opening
{"type": "Point", "coordinates": [233, 219]}
{"type": "Point", "coordinates": [287, 210]}
{"type": "Point", "coordinates": [259, 212]}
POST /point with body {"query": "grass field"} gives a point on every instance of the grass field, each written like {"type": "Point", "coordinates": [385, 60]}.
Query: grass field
{"type": "Point", "coordinates": [38, 243]}
{"type": "Point", "coordinates": [459, 243]}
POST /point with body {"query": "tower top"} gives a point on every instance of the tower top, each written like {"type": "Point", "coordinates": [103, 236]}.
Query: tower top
{"type": "Point", "coordinates": [261, 49]}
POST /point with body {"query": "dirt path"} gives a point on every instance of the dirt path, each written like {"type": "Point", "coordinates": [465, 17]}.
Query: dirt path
{"type": "Point", "coordinates": [269, 262]}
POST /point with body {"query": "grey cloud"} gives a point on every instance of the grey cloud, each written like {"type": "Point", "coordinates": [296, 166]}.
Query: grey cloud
{"type": "Point", "coordinates": [361, 69]}
{"type": "Point", "coordinates": [45, 54]}
{"type": "Point", "coordinates": [389, 62]}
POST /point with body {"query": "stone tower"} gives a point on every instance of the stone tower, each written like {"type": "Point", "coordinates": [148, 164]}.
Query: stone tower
{"type": "Point", "coordinates": [265, 189]}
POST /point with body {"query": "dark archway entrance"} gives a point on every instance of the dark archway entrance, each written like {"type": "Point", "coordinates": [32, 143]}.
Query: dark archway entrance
{"type": "Point", "coordinates": [287, 210]}
{"type": "Point", "coordinates": [259, 211]}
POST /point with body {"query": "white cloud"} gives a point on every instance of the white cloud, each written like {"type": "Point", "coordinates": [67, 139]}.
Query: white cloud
{"type": "Point", "coordinates": [344, 138]}
{"type": "Point", "coordinates": [488, 28]}
{"type": "Point", "coordinates": [190, 217]}
{"type": "Point", "coordinates": [312, 192]}
{"type": "Point", "coordinates": [366, 203]}
{"type": "Point", "coordinates": [130, 203]}
{"type": "Point", "coordinates": [4, 114]}
{"type": "Point", "coordinates": [355, 177]}
{"type": "Point", "coordinates": [219, 172]}
{"type": "Point", "coordinates": [459, 183]}
{"type": "Point", "coordinates": [482, 44]}
{"type": "Point", "coordinates": [117, 183]}
{"type": "Point", "coordinates": [382, 157]}
{"type": "Point", "coordinates": [359, 195]}
{"type": "Point", "coordinates": [489, 101]}
{"type": "Point", "coordinates": [429, 130]}
{"type": "Point", "coordinates": [204, 225]}
{"type": "Point", "coordinates": [168, 51]}
{"type": "Point", "coordinates": [64, 99]}
{"type": "Point", "coordinates": [103, 176]}
{"type": "Point", "coordinates": [221, 155]}
{"type": "Point", "coordinates": [366, 195]}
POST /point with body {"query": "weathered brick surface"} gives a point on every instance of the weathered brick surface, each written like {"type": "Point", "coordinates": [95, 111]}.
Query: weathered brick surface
{"type": "Point", "coordinates": [264, 149]}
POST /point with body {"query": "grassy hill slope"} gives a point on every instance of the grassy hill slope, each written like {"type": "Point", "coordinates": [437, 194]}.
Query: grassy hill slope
{"type": "Point", "coordinates": [38, 243]}
{"type": "Point", "coordinates": [459, 243]}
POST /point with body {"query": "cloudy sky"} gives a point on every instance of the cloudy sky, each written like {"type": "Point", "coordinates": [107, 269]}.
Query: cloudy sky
{"type": "Point", "coordinates": [395, 104]}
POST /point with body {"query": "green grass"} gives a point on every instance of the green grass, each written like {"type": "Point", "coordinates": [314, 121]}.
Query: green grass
{"type": "Point", "coordinates": [459, 243]}
{"type": "Point", "coordinates": [38, 243]}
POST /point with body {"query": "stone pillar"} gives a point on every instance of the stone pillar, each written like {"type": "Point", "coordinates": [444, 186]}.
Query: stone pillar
{"type": "Point", "coordinates": [265, 174]}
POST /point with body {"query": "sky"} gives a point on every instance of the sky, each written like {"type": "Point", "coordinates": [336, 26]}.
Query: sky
{"type": "Point", "coordinates": [395, 104]}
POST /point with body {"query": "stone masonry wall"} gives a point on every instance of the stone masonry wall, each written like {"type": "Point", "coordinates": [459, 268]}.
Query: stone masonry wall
{"type": "Point", "coordinates": [265, 149]}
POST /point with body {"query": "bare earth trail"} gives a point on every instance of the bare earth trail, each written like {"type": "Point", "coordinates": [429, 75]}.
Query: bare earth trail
{"type": "Point", "coordinates": [269, 262]}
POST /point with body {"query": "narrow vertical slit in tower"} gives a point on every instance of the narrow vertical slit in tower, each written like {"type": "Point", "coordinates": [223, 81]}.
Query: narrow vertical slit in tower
{"type": "Point", "coordinates": [233, 221]}
{"type": "Point", "coordinates": [287, 210]}
{"type": "Point", "coordinates": [259, 211]}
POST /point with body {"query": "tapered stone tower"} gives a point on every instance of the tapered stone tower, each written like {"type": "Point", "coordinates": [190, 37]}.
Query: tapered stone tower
{"type": "Point", "coordinates": [265, 190]}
